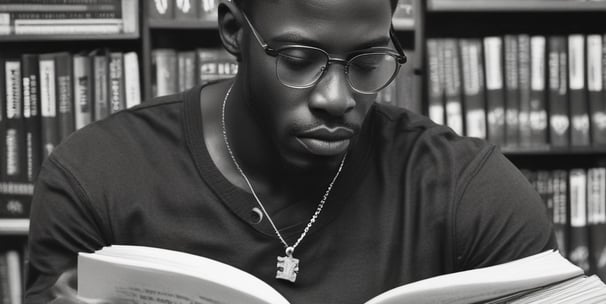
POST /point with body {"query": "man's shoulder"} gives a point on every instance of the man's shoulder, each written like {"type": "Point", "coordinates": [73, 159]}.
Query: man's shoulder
{"type": "Point", "coordinates": [124, 132]}
{"type": "Point", "coordinates": [423, 143]}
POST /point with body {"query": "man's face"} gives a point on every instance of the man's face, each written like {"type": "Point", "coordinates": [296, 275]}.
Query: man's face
{"type": "Point", "coordinates": [316, 125]}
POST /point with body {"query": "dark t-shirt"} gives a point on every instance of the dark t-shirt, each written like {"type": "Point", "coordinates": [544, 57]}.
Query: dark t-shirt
{"type": "Point", "coordinates": [414, 200]}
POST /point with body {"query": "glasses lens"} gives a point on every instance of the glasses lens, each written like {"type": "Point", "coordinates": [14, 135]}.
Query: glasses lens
{"type": "Point", "coordinates": [372, 72]}
{"type": "Point", "coordinates": [300, 67]}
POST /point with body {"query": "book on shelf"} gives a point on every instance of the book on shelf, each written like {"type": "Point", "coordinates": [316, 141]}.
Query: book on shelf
{"type": "Point", "coordinates": [64, 91]}
{"type": "Point", "coordinates": [495, 92]}
{"type": "Point", "coordinates": [83, 82]}
{"type": "Point", "coordinates": [452, 85]}
{"type": "Point", "coordinates": [512, 90]}
{"type": "Point", "coordinates": [403, 16]}
{"type": "Point", "coordinates": [579, 116]}
{"type": "Point", "coordinates": [117, 97]}
{"type": "Point", "coordinates": [10, 277]}
{"type": "Point", "coordinates": [164, 72]}
{"type": "Point", "coordinates": [128, 273]}
{"type": "Point", "coordinates": [474, 97]}
{"type": "Point", "coordinates": [559, 116]}
{"type": "Point", "coordinates": [435, 82]}
{"type": "Point", "coordinates": [36, 18]}
{"type": "Point", "coordinates": [207, 9]}
{"type": "Point", "coordinates": [560, 212]}
{"type": "Point", "coordinates": [538, 110]}
{"type": "Point", "coordinates": [186, 9]}
{"type": "Point", "coordinates": [524, 61]}
{"type": "Point", "coordinates": [48, 101]}
{"type": "Point", "coordinates": [161, 9]}
{"type": "Point", "coordinates": [596, 80]}
{"type": "Point", "coordinates": [579, 236]}
{"type": "Point", "coordinates": [596, 219]}
{"type": "Point", "coordinates": [100, 72]}
{"type": "Point", "coordinates": [186, 61]}
{"type": "Point", "coordinates": [31, 115]}
{"type": "Point", "coordinates": [132, 84]}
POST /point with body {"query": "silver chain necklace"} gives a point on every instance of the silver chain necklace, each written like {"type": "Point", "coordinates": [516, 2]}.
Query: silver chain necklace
{"type": "Point", "coordinates": [288, 266]}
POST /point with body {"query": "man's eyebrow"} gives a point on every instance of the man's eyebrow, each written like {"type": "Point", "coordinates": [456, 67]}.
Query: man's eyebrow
{"type": "Point", "coordinates": [296, 38]}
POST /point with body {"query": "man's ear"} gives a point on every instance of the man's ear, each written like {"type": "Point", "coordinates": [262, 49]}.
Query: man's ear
{"type": "Point", "coordinates": [230, 27]}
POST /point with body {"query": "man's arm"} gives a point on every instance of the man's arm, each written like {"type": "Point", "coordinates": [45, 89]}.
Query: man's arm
{"type": "Point", "coordinates": [499, 216]}
{"type": "Point", "coordinates": [63, 222]}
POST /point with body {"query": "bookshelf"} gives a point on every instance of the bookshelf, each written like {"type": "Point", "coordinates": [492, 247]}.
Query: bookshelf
{"type": "Point", "coordinates": [525, 55]}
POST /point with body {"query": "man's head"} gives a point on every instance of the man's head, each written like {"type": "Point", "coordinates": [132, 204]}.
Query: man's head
{"type": "Point", "coordinates": [307, 125]}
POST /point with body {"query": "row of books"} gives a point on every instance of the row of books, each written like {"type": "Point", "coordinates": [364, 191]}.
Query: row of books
{"type": "Point", "coordinates": [46, 97]}
{"type": "Point", "coordinates": [178, 70]}
{"type": "Point", "coordinates": [47, 17]}
{"type": "Point", "coordinates": [521, 91]}
{"type": "Point", "coordinates": [10, 277]}
{"type": "Point", "coordinates": [183, 9]}
{"type": "Point", "coordinates": [576, 202]}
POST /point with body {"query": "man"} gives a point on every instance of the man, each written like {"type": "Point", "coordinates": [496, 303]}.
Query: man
{"type": "Point", "coordinates": [292, 161]}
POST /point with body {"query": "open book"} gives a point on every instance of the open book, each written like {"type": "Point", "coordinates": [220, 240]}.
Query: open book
{"type": "Point", "coordinates": [135, 274]}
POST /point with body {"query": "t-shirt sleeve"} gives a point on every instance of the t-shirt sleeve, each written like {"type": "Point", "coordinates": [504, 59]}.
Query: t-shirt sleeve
{"type": "Point", "coordinates": [62, 223]}
{"type": "Point", "coordinates": [499, 216]}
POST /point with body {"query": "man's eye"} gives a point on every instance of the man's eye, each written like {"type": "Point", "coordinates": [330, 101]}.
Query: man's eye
{"type": "Point", "coordinates": [295, 61]}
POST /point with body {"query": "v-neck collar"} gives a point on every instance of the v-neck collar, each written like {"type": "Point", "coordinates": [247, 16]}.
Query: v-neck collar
{"type": "Point", "coordinates": [242, 203]}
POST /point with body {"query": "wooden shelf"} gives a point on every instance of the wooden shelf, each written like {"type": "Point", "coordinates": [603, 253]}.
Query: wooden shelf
{"type": "Point", "coordinates": [514, 5]}
{"type": "Point", "coordinates": [183, 24]}
{"type": "Point", "coordinates": [66, 37]}
{"type": "Point", "coordinates": [14, 226]}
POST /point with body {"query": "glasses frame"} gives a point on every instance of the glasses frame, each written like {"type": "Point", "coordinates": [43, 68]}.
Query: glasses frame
{"type": "Point", "coordinates": [398, 54]}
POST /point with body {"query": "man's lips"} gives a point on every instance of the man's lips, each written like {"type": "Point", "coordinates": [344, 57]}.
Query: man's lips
{"type": "Point", "coordinates": [326, 141]}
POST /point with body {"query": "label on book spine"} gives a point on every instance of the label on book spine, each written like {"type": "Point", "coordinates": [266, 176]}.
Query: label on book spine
{"type": "Point", "coordinates": [576, 61]}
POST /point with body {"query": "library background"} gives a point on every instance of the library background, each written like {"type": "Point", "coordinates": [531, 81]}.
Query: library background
{"type": "Point", "coordinates": [527, 75]}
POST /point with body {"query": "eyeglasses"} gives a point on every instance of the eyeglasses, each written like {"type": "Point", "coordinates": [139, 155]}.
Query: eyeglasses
{"type": "Point", "coordinates": [367, 72]}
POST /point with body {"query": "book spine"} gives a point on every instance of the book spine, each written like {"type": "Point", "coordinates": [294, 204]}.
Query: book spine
{"type": "Point", "coordinates": [132, 85]}
{"type": "Point", "coordinates": [560, 210]}
{"type": "Point", "coordinates": [436, 89]}
{"type": "Point", "coordinates": [559, 122]}
{"type": "Point", "coordinates": [65, 103]}
{"type": "Point", "coordinates": [207, 9]}
{"type": "Point", "coordinates": [82, 91]}
{"type": "Point", "coordinates": [495, 95]}
{"type": "Point", "coordinates": [31, 114]}
{"type": "Point", "coordinates": [186, 9]}
{"type": "Point", "coordinates": [166, 74]}
{"type": "Point", "coordinates": [525, 131]}
{"type": "Point", "coordinates": [48, 101]}
{"type": "Point", "coordinates": [512, 92]}
{"type": "Point", "coordinates": [101, 86]}
{"type": "Point", "coordinates": [579, 134]}
{"type": "Point", "coordinates": [538, 111]}
{"type": "Point", "coordinates": [187, 70]}
{"type": "Point", "coordinates": [579, 243]}
{"type": "Point", "coordinates": [116, 82]}
{"type": "Point", "coordinates": [596, 219]}
{"type": "Point", "coordinates": [452, 85]}
{"type": "Point", "coordinates": [597, 108]}
{"type": "Point", "coordinates": [161, 9]}
{"type": "Point", "coordinates": [473, 87]}
{"type": "Point", "coordinates": [14, 133]}
{"type": "Point", "coordinates": [13, 265]}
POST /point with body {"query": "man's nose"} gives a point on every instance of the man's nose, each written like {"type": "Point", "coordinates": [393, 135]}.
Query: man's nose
{"type": "Point", "coordinates": [332, 93]}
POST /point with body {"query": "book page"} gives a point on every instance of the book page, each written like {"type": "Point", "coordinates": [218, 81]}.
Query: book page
{"type": "Point", "coordinates": [158, 276]}
{"type": "Point", "coordinates": [484, 283]}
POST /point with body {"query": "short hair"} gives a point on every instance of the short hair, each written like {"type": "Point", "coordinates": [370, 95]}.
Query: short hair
{"type": "Point", "coordinates": [394, 3]}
